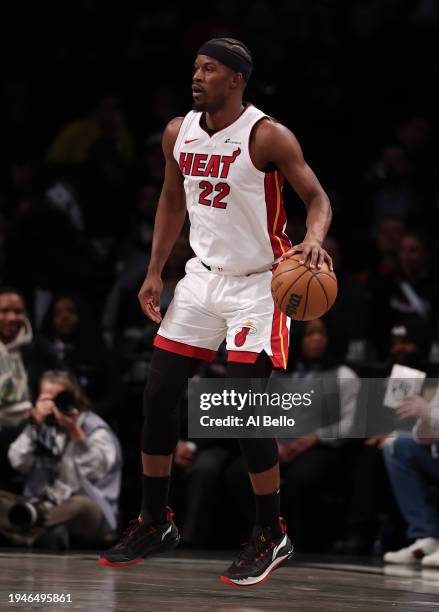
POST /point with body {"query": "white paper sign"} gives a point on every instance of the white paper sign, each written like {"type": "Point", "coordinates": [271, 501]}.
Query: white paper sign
{"type": "Point", "coordinates": [403, 381]}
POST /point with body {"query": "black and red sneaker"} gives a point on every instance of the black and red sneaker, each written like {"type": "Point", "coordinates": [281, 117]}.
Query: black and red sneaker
{"type": "Point", "coordinates": [139, 541]}
{"type": "Point", "coordinates": [262, 554]}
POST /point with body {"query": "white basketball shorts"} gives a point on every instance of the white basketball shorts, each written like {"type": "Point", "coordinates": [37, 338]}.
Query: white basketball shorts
{"type": "Point", "coordinates": [209, 306]}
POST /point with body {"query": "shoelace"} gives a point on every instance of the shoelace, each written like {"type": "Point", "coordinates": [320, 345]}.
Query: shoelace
{"type": "Point", "coordinates": [134, 529]}
{"type": "Point", "coordinates": [254, 549]}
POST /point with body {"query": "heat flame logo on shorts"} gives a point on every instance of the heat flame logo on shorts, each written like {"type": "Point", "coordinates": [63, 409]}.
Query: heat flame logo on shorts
{"type": "Point", "coordinates": [243, 332]}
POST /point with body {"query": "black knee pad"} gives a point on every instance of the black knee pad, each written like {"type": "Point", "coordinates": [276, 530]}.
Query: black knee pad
{"type": "Point", "coordinates": [161, 416]}
{"type": "Point", "coordinates": [260, 454]}
{"type": "Point", "coordinates": [167, 379]}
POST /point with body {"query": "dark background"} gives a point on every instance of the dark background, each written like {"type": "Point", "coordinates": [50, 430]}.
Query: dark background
{"type": "Point", "coordinates": [341, 75]}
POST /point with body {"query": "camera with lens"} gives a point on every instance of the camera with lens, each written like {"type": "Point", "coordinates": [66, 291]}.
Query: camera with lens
{"type": "Point", "coordinates": [65, 402]}
{"type": "Point", "coordinates": [25, 515]}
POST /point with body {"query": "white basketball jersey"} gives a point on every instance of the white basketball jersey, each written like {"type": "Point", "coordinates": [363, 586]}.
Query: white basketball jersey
{"type": "Point", "coordinates": [236, 211]}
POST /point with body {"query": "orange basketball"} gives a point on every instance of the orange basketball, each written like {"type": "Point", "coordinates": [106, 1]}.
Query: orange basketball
{"type": "Point", "coordinates": [303, 293]}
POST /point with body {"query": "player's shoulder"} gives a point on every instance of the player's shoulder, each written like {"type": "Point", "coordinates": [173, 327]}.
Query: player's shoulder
{"type": "Point", "coordinates": [170, 133]}
{"type": "Point", "coordinates": [173, 126]}
{"type": "Point", "coordinates": [269, 128]}
{"type": "Point", "coordinates": [274, 140]}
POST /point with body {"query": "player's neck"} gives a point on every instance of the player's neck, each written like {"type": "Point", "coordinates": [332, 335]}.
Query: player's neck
{"type": "Point", "coordinates": [225, 116]}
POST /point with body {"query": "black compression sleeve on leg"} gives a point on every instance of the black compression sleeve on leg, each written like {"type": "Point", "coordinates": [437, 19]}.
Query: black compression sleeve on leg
{"type": "Point", "coordinates": [260, 453]}
{"type": "Point", "coordinates": [167, 379]}
{"type": "Point", "coordinates": [260, 369]}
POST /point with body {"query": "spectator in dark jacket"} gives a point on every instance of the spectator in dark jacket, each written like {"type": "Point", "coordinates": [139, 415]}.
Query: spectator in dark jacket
{"type": "Point", "coordinates": [412, 292]}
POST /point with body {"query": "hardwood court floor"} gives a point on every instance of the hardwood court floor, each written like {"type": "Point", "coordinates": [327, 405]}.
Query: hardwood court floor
{"type": "Point", "coordinates": [186, 583]}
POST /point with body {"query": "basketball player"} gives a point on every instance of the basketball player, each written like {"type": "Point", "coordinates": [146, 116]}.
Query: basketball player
{"type": "Point", "coordinates": [225, 163]}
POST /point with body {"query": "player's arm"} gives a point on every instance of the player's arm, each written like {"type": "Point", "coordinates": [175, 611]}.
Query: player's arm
{"type": "Point", "coordinates": [169, 220]}
{"type": "Point", "coordinates": [274, 143]}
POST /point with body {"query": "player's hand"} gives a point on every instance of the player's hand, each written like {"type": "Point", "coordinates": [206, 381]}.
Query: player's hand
{"type": "Point", "coordinates": [149, 297]}
{"type": "Point", "coordinates": [414, 406]}
{"type": "Point", "coordinates": [311, 251]}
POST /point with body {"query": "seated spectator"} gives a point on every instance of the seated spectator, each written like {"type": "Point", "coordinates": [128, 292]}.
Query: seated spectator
{"type": "Point", "coordinates": [389, 181]}
{"type": "Point", "coordinates": [20, 184]}
{"type": "Point", "coordinates": [349, 314]}
{"type": "Point", "coordinates": [97, 153]}
{"type": "Point", "coordinates": [72, 463]}
{"type": "Point", "coordinates": [75, 140]}
{"type": "Point", "coordinates": [415, 135]}
{"type": "Point", "coordinates": [124, 321]}
{"type": "Point", "coordinates": [74, 335]}
{"type": "Point", "coordinates": [383, 257]}
{"type": "Point", "coordinates": [410, 293]}
{"type": "Point", "coordinates": [23, 359]}
{"type": "Point", "coordinates": [122, 311]}
{"type": "Point", "coordinates": [410, 343]}
{"type": "Point", "coordinates": [413, 465]}
{"type": "Point", "coordinates": [136, 244]}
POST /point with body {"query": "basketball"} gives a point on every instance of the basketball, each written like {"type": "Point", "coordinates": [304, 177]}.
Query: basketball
{"type": "Point", "coordinates": [303, 293]}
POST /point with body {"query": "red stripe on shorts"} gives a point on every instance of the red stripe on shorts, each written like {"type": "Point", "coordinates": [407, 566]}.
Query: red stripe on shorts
{"type": "Point", "coordinates": [279, 339]}
{"type": "Point", "coordinates": [242, 356]}
{"type": "Point", "coordinates": [183, 349]}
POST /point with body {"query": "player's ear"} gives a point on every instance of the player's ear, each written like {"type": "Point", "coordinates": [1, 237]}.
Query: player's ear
{"type": "Point", "coordinates": [238, 81]}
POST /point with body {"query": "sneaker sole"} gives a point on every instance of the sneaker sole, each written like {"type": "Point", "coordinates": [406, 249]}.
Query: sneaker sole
{"type": "Point", "coordinates": [257, 580]}
{"type": "Point", "coordinates": [433, 564]}
{"type": "Point", "coordinates": [161, 548]}
{"type": "Point", "coordinates": [406, 562]}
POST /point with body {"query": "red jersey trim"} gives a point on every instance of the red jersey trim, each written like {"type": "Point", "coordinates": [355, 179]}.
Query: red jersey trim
{"type": "Point", "coordinates": [180, 348]}
{"type": "Point", "coordinates": [276, 215]}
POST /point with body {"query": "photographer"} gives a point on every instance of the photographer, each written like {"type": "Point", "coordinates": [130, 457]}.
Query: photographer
{"type": "Point", "coordinates": [72, 462]}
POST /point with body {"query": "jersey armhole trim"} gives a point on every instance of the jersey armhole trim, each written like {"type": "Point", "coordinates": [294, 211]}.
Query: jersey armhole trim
{"type": "Point", "coordinates": [256, 171]}
{"type": "Point", "coordinates": [181, 132]}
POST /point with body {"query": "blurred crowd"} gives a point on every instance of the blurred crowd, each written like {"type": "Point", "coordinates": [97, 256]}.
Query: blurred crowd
{"type": "Point", "coordinates": [80, 178]}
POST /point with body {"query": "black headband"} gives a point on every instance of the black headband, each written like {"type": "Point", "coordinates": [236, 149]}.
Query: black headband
{"type": "Point", "coordinates": [229, 58]}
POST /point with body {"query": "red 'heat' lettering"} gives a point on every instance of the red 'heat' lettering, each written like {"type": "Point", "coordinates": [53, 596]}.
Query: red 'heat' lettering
{"type": "Point", "coordinates": [198, 167]}
{"type": "Point", "coordinates": [185, 162]}
{"type": "Point", "coordinates": [227, 161]}
{"type": "Point", "coordinates": [201, 164]}
{"type": "Point", "coordinates": [212, 168]}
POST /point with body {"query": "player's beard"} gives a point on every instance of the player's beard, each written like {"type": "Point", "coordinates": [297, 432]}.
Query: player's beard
{"type": "Point", "coordinates": [200, 107]}
{"type": "Point", "coordinates": [208, 106]}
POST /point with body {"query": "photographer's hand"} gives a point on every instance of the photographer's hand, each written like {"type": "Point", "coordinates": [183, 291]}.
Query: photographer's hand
{"type": "Point", "coordinates": [70, 424]}
{"type": "Point", "coordinates": [43, 408]}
